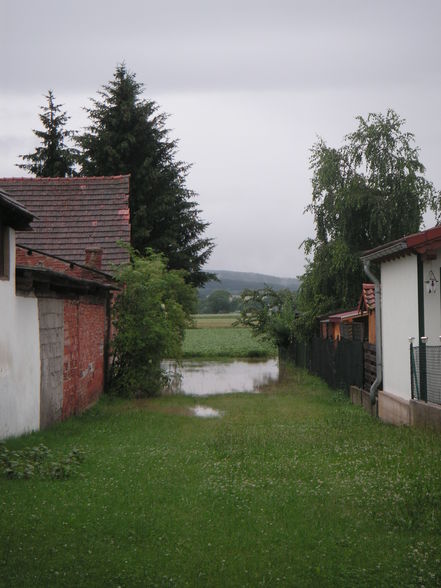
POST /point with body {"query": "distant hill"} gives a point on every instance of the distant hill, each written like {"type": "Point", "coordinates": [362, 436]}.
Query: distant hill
{"type": "Point", "coordinates": [235, 282]}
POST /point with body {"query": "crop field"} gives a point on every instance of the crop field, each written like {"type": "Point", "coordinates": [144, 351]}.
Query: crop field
{"type": "Point", "coordinates": [221, 342]}
{"type": "Point", "coordinates": [219, 321]}
{"type": "Point", "coordinates": [290, 487]}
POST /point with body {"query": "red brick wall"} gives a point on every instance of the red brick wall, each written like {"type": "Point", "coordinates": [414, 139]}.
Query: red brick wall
{"type": "Point", "coordinates": [85, 325]}
{"type": "Point", "coordinates": [34, 259]}
{"type": "Point", "coordinates": [84, 336]}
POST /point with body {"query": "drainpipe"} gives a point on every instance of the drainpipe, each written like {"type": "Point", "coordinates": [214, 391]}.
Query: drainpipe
{"type": "Point", "coordinates": [378, 345]}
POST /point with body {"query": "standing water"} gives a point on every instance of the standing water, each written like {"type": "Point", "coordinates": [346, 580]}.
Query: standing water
{"type": "Point", "coordinates": [205, 378]}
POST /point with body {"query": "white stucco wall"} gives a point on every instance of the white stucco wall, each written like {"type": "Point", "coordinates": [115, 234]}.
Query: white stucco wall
{"type": "Point", "coordinates": [19, 357]}
{"type": "Point", "coordinates": [399, 292]}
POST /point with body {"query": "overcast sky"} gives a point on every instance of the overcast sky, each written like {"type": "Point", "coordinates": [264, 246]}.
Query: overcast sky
{"type": "Point", "coordinates": [248, 84]}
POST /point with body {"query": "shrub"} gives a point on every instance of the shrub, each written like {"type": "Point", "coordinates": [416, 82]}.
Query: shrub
{"type": "Point", "coordinates": [38, 461]}
{"type": "Point", "coordinates": [150, 317]}
{"type": "Point", "coordinates": [270, 314]}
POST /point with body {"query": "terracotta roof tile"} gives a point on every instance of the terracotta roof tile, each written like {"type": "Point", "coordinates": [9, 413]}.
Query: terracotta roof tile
{"type": "Point", "coordinates": [74, 214]}
{"type": "Point", "coordinates": [367, 298]}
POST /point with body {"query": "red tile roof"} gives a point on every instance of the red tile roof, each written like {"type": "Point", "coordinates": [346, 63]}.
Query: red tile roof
{"type": "Point", "coordinates": [428, 241]}
{"type": "Point", "coordinates": [367, 298]}
{"type": "Point", "coordinates": [74, 214]}
{"type": "Point", "coordinates": [339, 317]}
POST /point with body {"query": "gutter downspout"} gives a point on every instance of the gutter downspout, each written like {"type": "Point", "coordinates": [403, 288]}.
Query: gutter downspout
{"type": "Point", "coordinates": [378, 341]}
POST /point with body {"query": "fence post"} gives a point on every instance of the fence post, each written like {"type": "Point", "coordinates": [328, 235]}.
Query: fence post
{"type": "Point", "coordinates": [413, 374]}
{"type": "Point", "coordinates": [423, 369]}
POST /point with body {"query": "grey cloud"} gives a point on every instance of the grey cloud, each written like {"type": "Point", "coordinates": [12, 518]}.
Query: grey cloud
{"type": "Point", "coordinates": [219, 45]}
{"type": "Point", "coordinates": [249, 85]}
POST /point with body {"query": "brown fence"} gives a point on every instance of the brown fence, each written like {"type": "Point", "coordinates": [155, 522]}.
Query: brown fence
{"type": "Point", "coordinates": [370, 365]}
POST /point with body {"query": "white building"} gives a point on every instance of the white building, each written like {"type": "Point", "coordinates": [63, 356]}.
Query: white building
{"type": "Point", "coordinates": [19, 332]}
{"type": "Point", "coordinates": [410, 313]}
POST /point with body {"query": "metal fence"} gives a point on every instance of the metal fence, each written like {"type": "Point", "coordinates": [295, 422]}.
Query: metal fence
{"type": "Point", "coordinates": [339, 363]}
{"type": "Point", "coordinates": [425, 373]}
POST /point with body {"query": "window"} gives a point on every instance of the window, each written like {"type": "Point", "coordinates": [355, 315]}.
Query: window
{"type": "Point", "coordinates": [4, 252]}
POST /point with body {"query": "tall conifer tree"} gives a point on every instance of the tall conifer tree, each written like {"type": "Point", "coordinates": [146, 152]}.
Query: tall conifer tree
{"type": "Point", "coordinates": [127, 135]}
{"type": "Point", "coordinates": [53, 158]}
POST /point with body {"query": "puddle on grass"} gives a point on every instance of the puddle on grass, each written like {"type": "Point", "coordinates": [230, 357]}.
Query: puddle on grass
{"type": "Point", "coordinates": [205, 411]}
{"type": "Point", "coordinates": [206, 378]}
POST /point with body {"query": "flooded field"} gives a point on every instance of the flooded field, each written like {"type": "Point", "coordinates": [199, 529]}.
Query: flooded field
{"type": "Point", "coordinates": [205, 378]}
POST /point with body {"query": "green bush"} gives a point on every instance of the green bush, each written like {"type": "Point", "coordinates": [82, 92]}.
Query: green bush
{"type": "Point", "coordinates": [270, 314]}
{"type": "Point", "coordinates": [150, 316]}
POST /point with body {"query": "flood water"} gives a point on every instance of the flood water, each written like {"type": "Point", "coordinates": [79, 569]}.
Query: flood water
{"type": "Point", "coordinates": [205, 378]}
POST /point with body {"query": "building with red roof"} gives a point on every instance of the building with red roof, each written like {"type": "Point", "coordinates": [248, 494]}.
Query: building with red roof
{"type": "Point", "coordinates": [74, 215]}
{"type": "Point", "coordinates": [410, 325]}
{"type": "Point", "coordinates": [58, 242]}
{"type": "Point", "coordinates": [356, 324]}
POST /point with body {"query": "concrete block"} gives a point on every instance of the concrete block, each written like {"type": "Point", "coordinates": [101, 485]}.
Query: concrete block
{"type": "Point", "coordinates": [355, 395]}
{"type": "Point", "coordinates": [367, 404]}
{"type": "Point", "coordinates": [393, 409]}
{"type": "Point", "coordinates": [425, 415]}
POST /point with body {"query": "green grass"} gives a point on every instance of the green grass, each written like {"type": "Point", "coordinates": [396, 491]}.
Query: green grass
{"type": "Point", "coordinates": [292, 487]}
{"type": "Point", "coordinates": [224, 342]}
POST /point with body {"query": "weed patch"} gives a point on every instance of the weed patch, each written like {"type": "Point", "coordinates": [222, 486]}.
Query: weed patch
{"type": "Point", "coordinates": [38, 461]}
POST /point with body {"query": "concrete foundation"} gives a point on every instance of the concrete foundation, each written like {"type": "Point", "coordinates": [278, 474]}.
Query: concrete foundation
{"type": "Point", "coordinates": [399, 411]}
{"type": "Point", "coordinates": [393, 409]}
{"type": "Point", "coordinates": [355, 395]}
{"type": "Point", "coordinates": [367, 404]}
{"type": "Point", "coordinates": [362, 398]}
{"type": "Point", "coordinates": [425, 415]}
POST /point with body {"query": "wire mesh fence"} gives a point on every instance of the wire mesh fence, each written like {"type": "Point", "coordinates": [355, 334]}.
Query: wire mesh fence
{"type": "Point", "coordinates": [425, 373]}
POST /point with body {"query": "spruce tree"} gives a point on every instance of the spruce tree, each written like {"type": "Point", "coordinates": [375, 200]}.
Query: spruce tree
{"type": "Point", "coordinates": [53, 159]}
{"type": "Point", "coordinates": [127, 135]}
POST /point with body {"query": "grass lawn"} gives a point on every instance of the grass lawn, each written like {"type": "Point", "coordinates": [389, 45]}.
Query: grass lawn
{"type": "Point", "coordinates": [292, 487]}
{"type": "Point", "coordinates": [215, 337]}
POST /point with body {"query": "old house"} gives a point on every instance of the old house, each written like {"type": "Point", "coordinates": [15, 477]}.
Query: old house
{"type": "Point", "coordinates": [74, 330]}
{"type": "Point", "coordinates": [337, 325]}
{"type": "Point", "coordinates": [57, 302]}
{"type": "Point", "coordinates": [75, 215]}
{"type": "Point", "coordinates": [357, 324]}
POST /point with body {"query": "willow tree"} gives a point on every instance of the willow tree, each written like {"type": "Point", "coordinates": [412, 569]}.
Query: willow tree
{"type": "Point", "coordinates": [369, 191]}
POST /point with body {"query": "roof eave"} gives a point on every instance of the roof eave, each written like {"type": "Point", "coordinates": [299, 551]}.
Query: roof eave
{"type": "Point", "coordinates": [15, 214]}
{"type": "Point", "coordinates": [395, 248]}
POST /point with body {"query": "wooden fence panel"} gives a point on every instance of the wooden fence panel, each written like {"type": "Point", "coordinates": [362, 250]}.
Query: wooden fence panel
{"type": "Point", "coordinates": [370, 365]}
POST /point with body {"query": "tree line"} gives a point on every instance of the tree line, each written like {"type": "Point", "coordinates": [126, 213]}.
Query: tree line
{"type": "Point", "coordinates": [367, 192]}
